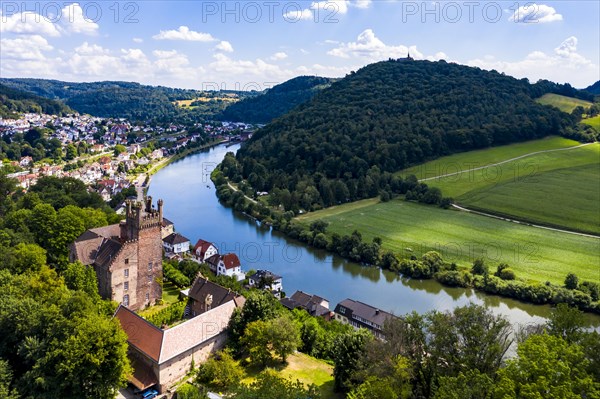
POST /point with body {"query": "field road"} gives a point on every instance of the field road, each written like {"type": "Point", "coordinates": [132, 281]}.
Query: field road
{"type": "Point", "coordinates": [503, 162]}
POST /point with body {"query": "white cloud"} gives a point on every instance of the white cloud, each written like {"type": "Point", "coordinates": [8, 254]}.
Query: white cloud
{"type": "Point", "coordinates": [72, 20]}
{"type": "Point", "coordinates": [138, 40]}
{"type": "Point", "coordinates": [298, 15]}
{"type": "Point", "coordinates": [278, 56]}
{"type": "Point", "coordinates": [224, 46]}
{"type": "Point", "coordinates": [29, 22]}
{"type": "Point", "coordinates": [184, 33]}
{"type": "Point", "coordinates": [369, 47]}
{"type": "Point", "coordinates": [24, 48]}
{"type": "Point", "coordinates": [90, 49]}
{"type": "Point", "coordinates": [563, 65]}
{"type": "Point", "coordinates": [532, 13]}
{"type": "Point", "coordinates": [362, 3]}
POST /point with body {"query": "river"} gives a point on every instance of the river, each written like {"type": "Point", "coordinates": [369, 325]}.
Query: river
{"type": "Point", "coordinates": [191, 204]}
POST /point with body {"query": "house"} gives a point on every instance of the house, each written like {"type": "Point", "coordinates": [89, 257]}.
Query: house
{"type": "Point", "coordinates": [127, 257]}
{"type": "Point", "coordinates": [204, 250]}
{"type": "Point", "coordinates": [204, 295]}
{"type": "Point", "coordinates": [167, 228]}
{"type": "Point", "coordinates": [226, 265]}
{"type": "Point", "coordinates": [361, 315]}
{"type": "Point", "coordinates": [176, 243]}
{"type": "Point", "coordinates": [161, 357]}
{"type": "Point", "coordinates": [313, 304]}
{"type": "Point", "coordinates": [265, 279]}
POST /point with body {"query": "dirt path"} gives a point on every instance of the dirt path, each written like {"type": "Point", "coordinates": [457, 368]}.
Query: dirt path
{"type": "Point", "coordinates": [506, 161]}
{"type": "Point", "coordinates": [461, 208]}
{"type": "Point", "coordinates": [245, 196]}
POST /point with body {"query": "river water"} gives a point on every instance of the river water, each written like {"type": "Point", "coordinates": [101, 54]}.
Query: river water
{"type": "Point", "coordinates": [191, 204]}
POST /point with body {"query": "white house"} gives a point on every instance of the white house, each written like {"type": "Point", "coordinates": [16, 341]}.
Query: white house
{"type": "Point", "coordinates": [226, 265]}
{"type": "Point", "coordinates": [204, 250]}
{"type": "Point", "coordinates": [176, 243]}
{"type": "Point", "coordinates": [265, 279]}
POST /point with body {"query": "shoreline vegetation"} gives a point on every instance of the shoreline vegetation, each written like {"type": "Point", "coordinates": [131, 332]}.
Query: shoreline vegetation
{"type": "Point", "coordinates": [501, 281]}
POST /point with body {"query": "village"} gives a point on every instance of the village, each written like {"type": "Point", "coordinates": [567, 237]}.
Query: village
{"type": "Point", "coordinates": [115, 151]}
{"type": "Point", "coordinates": [130, 258]}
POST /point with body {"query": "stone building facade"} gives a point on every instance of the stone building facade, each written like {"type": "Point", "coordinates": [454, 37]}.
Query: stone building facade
{"type": "Point", "coordinates": [127, 257]}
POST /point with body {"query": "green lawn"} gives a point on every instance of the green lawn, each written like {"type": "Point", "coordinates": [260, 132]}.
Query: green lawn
{"type": "Point", "coordinates": [409, 228]}
{"type": "Point", "coordinates": [565, 104]}
{"type": "Point", "coordinates": [170, 295]}
{"type": "Point", "coordinates": [304, 368]}
{"type": "Point", "coordinates": [593, 122]}
{"type": "Point", "coordinates": [558, 188]}
{"type": "Point", "coordinates": [488, 156]}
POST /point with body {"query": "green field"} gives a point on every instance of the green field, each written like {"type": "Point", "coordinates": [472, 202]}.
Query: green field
{"type": "Point", "coordinates": [565, 104]}
{"type": "Point", "coordinates": [409, 228]}
{"type": "Point", "coordinates": [557, 188]}
{"type": "Point", "coordinates": [593, 122]}
{"type": "Point", "coordinates": [488, 156]}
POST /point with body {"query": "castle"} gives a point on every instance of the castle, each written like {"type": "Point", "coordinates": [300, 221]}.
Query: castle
{"type": "Point", "coordinates": [127, 257]}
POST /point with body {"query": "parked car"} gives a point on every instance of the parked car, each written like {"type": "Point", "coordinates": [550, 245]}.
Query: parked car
{"type": "Point", "coordinates": [150, 393]}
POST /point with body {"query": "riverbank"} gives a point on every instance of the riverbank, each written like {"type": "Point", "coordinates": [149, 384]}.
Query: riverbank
{"type": "Point", "coordinates": [352, 247]}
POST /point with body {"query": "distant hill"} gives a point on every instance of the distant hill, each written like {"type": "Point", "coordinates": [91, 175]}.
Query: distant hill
{"type": "Point", "coordinates": [276, 101]}
{"type": "Point", "coordinates": [594, 89]}
{"type": "Point", "coordinates": [120, 99]}
{"type": "Point", "coordinates": [13, 102]}
{"type": "Point", "coordinates": [338, 146]}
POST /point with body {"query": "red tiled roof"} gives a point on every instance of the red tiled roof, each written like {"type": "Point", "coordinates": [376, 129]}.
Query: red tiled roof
{"type": "Point", "coordinates": [231, 261]}
{"type": "Point", "coordinates": [203, 246]}
{"type": "Point", "coordinates": [140, 333]}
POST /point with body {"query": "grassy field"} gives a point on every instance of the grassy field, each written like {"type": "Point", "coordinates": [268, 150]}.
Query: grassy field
{"type": "Point", "coordinates": [409, 228]}
{"type": "Point", "coordinates": [306, 369]}
{"type": "Point", "coordinates": [170, 295]}
{"type": "Point", "coordinates": [558, 188]}
{"type": "Point", "coordinates": [488, 156]}
{"type": "Point", "coordinates": [565, 104]}
{"type": "Point", "coordinates": [593, 122]}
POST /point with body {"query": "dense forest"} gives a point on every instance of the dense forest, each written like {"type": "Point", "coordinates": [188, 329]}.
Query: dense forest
{"type": "Point", "coordinates": [13, 102]}
{"type": "Point", "coordinates": [344, 143]}
{"type": "Point", "coordinates": [594, 89]}
{"type": "Point", "coordinates": [129, 100]}
{"type": "Point", "coordinates": [276, 101]}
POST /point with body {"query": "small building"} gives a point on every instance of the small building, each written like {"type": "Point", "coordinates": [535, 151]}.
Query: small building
{"type": "Point", "coordinates": [226, 265]}
{"type": "Point", "coordinates": [167, 228]}
{"type": "Point", "coordinates": [160, 358]}
{"type": "Point", "coordinates": [266, 280]}
{"type": "Point", "coordinates": [205, 295]}
{"type": "Point", "coordinates": [176, 243]}
{"type": "Point", "coordinates": [361, 315]}
{"type": "Point", "coordinates": [313, 304]}
{"type": "Point", "coordinates": [204, 250]}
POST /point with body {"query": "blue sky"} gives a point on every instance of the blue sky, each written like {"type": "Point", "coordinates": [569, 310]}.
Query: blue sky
{"type": "Point", "coordinates": [255, 44]}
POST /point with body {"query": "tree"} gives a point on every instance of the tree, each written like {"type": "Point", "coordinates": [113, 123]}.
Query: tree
{"type": "Point", "coordinates": [6, 391]}
{"type": "Point", "coordinates": [469, 385]}
{"type": "Point", "coordinates": [346, 353]}
{"type": "Point", "coordinates": [269, 385]}
{"type": "Point", "coordinates": [189, 391]}
{"type": "Point", "coordinates": [284, 335]}
{"type": "Point", "coordinates": [571, 281]}
{"type": "Point", "coordinates": [83, 278]}
{"type": "Point", "coordinates": [479, 267]}
{"type": "Point", "coordinates": [119, 149]}
{"type": "Point", "coordinates": [28, 257]}
{"type": "Point", "coordinates": [70, 152]}
{"type": "Point", "coordinates": [220, 371]}
{"type": "Point", "coordinates": [257, 342]}
{"type": "Point", "coordinates": [546, 367]}
{"type": "Point", "coordinates": [566, 322]}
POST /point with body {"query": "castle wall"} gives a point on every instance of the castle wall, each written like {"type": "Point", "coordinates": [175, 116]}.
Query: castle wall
{"type": "Point", "coordinates": [149, 269]}
{"type": "Point", "coordinates": [124, 269]}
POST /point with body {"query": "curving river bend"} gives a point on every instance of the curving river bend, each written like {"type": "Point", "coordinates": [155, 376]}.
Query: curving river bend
{"type": "Point", "coordinates": [191, 203]}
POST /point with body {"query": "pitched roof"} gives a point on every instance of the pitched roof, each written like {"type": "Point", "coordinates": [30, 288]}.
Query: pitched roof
{"type": "Point", "coordinates": [203, 246]}
{"type": "Point", "coordinates": [264, 274]}
{"type": "Point", "coordinates": [231, 261]}
{"type": "Point", "coordinates": [365, 311]}
{"type": "Point", "coordinates": [113, 230]}
{"type": "Point", "coordinates": [175, 238]}
{"type": "Point", "coordinates": [143, 335]}
{"type": "Point", "coordinates": [311, 303]}
{"type": "Point", "coordinates": [202, 287]}
{"type": "Point", "coordinates": [214, 260]}
{"type": "Point", "coordinates": [166, 222]}
{"type": "Point", "coordinates": [107, 252]}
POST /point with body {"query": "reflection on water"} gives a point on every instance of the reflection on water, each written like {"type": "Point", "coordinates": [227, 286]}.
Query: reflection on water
{"type": "Point", "coordinates": [191, 203]}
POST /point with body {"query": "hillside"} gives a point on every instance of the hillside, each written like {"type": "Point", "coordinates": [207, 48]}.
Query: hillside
{"type": "Point", "coordinates": [384, 118]}
{"type": "Point", "coordinates": [564, 103]}
{"type": "Point", "coordinates": [594, 89]}
{"type": "Point", "coordinates": [13, 102]}
{"type": "Point", "coordinates": [276, 101]}
{"type": "Point", "coordinates": [120, 99]}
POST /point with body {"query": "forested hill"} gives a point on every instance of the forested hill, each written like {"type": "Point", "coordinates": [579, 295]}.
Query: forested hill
{"type": "Point", "coordinates": [13, 102]}
{"type": "Point", "coordinates": [129, 100]}
{"type": "Point", "coordinates": [594, 89]}
{"type": "Point", "coordinates": [391, 115]}
{"type": "Point", "coordinates": [276, 101]}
